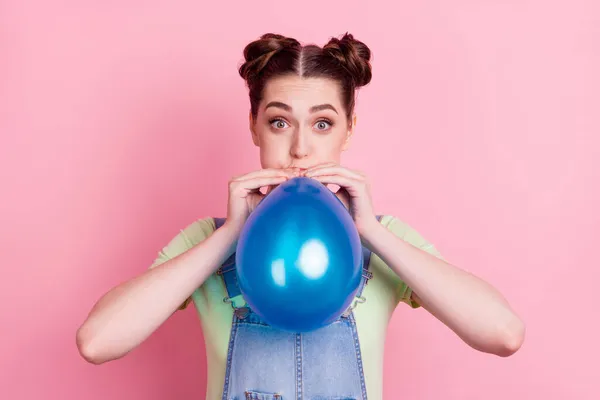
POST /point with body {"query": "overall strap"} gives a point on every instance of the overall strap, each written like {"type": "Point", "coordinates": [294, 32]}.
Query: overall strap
{"type": "Point", "coordinates": [227, 270]}
{"type": "Point", "coordinates": [219, 222]}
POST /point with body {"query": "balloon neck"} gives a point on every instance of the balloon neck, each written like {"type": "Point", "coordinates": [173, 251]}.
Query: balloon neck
{"type": "Point", "coordinates": [341, 194]}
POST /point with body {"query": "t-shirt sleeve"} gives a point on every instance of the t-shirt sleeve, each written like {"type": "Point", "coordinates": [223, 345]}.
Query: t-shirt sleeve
{"type": "Point", "coordinates": [409, 235]}
{"type": "Point", "coordinates": [186, 239]}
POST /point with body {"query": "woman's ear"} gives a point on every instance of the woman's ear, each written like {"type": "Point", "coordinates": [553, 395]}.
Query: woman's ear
{"type": "Point", "coordinates": [349, 133]}
{"type": "Point", "coordinates": [252, 126]}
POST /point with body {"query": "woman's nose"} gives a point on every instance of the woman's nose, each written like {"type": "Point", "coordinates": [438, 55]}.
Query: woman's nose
{"type": "Point", "coordinates": [300, 145]}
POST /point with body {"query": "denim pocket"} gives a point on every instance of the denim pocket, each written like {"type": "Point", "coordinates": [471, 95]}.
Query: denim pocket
{"type": "Point", "coordinates": [252, 395]}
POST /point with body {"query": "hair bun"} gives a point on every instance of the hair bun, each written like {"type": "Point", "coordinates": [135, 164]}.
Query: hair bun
{"type": "Point", "coordinates": [258, 53]}
{"type": "Point", "coordinates": [353, 55]}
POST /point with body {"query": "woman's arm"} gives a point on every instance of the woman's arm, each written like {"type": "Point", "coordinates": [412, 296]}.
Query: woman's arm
{"type": "Point", "coordinates": [472, 308]}
{"type": "Point", "coordinates": [125, 316]}
{"type": "Point", "coordinates": [469, 306]}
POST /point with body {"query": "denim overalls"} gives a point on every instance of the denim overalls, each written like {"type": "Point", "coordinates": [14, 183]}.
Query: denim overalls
{"type": "Point", "coordinates": [264, 363]}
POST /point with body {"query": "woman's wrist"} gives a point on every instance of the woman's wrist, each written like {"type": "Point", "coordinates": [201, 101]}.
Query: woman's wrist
{"type": "Point", "coordinates": [371, 232]}
{"type": "Point", "coordinates": [231, 230]}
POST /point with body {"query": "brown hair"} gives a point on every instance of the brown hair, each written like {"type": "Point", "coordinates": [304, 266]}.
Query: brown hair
{"type": "Point", "coordinates": [344, 60]}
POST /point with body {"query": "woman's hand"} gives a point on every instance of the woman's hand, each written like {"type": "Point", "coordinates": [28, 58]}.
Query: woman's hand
{"type": "Point", "coordinates": [354, 192]}
{"type": "Point", "coordinates": [244, 192]}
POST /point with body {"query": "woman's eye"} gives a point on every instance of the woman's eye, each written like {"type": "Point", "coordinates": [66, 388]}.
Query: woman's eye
{"type": "Point", "coordinates": [323, 125]}
{"type": "Point", "coordinates": [278, 123]}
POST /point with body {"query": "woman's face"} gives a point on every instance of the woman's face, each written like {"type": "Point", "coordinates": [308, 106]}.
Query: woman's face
{"type": "Point", "coordinates": [300, 122]}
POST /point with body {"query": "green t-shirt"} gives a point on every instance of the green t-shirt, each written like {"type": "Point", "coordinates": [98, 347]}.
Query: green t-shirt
{"type": "Point", "coordinates": [383, 293]}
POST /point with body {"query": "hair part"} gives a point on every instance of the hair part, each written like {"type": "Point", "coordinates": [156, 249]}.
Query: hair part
{"type": "Point", "coordinates": [344, 60]}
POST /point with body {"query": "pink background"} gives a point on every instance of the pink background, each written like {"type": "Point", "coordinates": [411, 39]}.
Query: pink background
{"type": "Point", "coordinates": [122, 121]}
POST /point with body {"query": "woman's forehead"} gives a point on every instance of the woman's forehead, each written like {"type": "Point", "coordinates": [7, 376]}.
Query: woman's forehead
{"type": "Point", "coordinates": [300, 93]}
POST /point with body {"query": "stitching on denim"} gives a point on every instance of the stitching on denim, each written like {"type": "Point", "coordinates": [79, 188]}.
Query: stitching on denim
{"type": "Point", "coordinates": [298, 350]}
{"type": "Point", "coordinates": [358, 356]}
{"type": "Point", "coordinates": [229, 357]}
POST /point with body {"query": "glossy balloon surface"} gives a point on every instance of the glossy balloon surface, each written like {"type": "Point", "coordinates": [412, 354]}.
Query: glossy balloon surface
{"type": "Point", "coordinates": [299, 257]}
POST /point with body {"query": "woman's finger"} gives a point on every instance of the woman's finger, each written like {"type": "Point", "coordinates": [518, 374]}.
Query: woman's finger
{"type": "Point", "coordinates": [257, 183]}
{"type": "Point", "coordinates": [334, 170]}
{"type": "Point", "coordinates": [267, 172]}
{"type": "Point", "coordinates": [319, 166]}
{"type": "Point", "coordinates": [327, 164]}
{"type": "Point", "coordinates": [342, 181]}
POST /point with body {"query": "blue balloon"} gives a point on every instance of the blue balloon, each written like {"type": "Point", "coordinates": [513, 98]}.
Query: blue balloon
{"type": "Point", "coordinates": [299, 257]}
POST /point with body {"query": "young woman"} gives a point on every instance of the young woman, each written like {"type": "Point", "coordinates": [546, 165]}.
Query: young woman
{"type": "Point", "coordinates": [302, 120]}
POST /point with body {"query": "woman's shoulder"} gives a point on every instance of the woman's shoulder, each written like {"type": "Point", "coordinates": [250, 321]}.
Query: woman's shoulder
{"type": "Point", "coordinates": [408, 233]}
{"type": "Point", "coordinates": [187, 237]}
{"type": "Point", "coordinates": [196, 231]}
